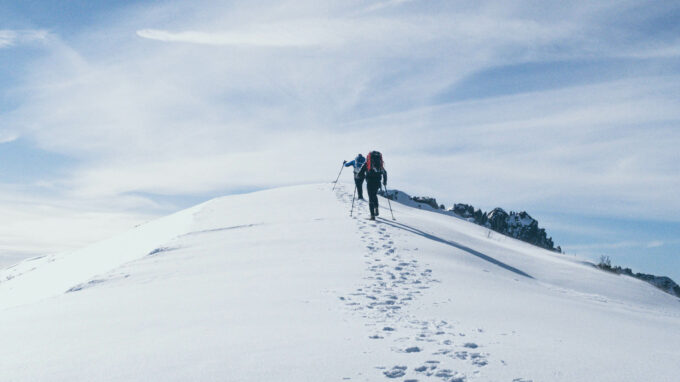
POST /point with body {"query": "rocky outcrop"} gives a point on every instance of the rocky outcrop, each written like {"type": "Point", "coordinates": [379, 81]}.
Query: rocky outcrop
{"type": "Point", "coordinates": [432, 202]}
{"type": "Point", "coordinates": [664, 283]}
{"type": "Point", "coordinates": [519, 225]}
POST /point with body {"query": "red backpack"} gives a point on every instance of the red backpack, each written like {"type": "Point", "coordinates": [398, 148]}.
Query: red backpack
{"type": "Point", "coordinates": [374, 161]}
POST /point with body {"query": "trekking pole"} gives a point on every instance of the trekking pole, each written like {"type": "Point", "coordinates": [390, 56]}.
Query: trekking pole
{"type": "Point", "coordinates": [336, 179]}
{"type": "Point", "coordinates": [388, 202]}
{"type": "Point", "coordinates": [355, 192]}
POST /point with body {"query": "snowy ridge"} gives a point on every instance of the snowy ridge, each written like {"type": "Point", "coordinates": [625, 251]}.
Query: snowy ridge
{"type": "Point", "coordinates": [42, 277]}
{"type": "Point", "coordinates": [283, 284]}
{"type": "Point", "coordinates": [519, 225]}
{"type": "Point", "coordinates": [664, 283]}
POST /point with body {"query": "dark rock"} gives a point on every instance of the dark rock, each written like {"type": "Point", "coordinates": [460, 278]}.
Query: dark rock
{"type": "Point", "coordinates": [519, 225]}
{"type": "Point", "coordinates": [432, 202]}
{"type": "Point", "coordinates": [497, 220]}
{"type": "Point", "coordinates": [464, 210]}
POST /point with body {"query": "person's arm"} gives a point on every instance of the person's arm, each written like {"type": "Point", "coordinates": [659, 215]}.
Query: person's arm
{"type": "Point", "coordinates": [362, 172]}
{"type": "Point", "coordinates": [384, 177]}
{"type": "Point", "coordinates": [350, 163]}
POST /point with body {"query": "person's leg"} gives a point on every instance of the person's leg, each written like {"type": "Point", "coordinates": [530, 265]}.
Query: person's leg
{"type": "Point", "coordinates": [359, 183]}
{"type": "Point", "coordinates": [375, 207]}
{"type": "Point", "coordinates": [372, 198]}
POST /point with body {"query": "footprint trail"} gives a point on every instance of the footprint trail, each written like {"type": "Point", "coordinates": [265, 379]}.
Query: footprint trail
{"type": "Point", "coordinates": [394, 279]}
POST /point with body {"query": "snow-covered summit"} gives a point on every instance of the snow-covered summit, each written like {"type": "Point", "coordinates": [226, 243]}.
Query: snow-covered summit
{"type": "Point", "coordinates": [284, 285]}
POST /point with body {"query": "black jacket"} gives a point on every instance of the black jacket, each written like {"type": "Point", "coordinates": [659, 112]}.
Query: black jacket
{"type": "Point", "coordinates": [373, 177]}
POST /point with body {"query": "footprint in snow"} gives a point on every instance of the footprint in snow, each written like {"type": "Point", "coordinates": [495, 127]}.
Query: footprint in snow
{"type": "Point", "coordinates": [395, 372]}
{"type": "Point", "coordinates": [395, 287]}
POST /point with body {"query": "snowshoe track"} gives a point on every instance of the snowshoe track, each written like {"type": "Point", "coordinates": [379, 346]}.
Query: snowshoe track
{"type": "Point", "coordinates": [394, 279]}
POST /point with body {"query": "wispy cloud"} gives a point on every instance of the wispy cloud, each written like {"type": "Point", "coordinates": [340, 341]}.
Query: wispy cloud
{"type": "Point", "coordinates": [7, 38]}
{"type": "Point", "coordinates": [6, 137]}
{"type": "Point", "coordinates": [608, 245]}
{"type": "Point", "coordinates": [13, 37]}
{"type": "Point", "coordinates": [621, 245]}
{"type": "Point", "coordinates": [655, 244]}
{"type": "Point", "coordinates": [386, 4]}
{"type": "Point", "coordinates": [266, 36]}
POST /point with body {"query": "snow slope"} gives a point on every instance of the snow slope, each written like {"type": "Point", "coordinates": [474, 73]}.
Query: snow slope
{"type": "Point", "coordinates": [284, 285]}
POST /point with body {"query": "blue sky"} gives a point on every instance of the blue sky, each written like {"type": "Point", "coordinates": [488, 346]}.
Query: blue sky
{"type": "Point", "coordinates": [113, 113]}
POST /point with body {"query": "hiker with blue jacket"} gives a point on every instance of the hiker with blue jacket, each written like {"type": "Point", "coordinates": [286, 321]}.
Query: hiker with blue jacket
{"type": "Point", "coordinates": [358, 163]}
{"type": "Point", "coordinates": [374, 172]}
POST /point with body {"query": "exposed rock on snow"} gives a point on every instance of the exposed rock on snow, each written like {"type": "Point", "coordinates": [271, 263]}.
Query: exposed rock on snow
{"type": "Point", "coordinates": [432, 202]}
{"type": "Point", "coordinates": [519, 225]}
{"type": "Point", "coordinates": [664, 283]}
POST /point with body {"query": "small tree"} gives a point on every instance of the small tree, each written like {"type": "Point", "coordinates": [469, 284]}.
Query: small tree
{"type": "Point", "coordinates": [605, 262]}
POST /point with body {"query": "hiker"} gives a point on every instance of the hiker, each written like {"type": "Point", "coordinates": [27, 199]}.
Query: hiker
{"type": "Point", "coordinates": [374, 172]}
{"type": "Point", "coordinates": [358, 163]}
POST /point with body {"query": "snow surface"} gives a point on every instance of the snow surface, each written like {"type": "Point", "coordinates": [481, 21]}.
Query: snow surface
{"type": "Point", "coordinates": [284, 285]}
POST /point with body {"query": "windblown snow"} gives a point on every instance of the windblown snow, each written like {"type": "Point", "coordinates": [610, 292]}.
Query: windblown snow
{"type": "Point", "coordinates": [284, 285]}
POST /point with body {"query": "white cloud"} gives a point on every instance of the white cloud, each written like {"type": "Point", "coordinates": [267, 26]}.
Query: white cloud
{"type": "Point", "coordinates": [621, 245]}
{"type": "Point", "coordinates": [6, 137]}
{"type": "Point", "coordinates": [655, 244]}
{"type": "Point", "coordinates": [7, 38]}
{"type": "Point", "coordinates": [266, 36]}
{"type": "Point", "coordinates": [386, 4]}
{"type": "Point", "coordinates": [13, 37]}
{"type": "Point", "coordinates": [609, 245]}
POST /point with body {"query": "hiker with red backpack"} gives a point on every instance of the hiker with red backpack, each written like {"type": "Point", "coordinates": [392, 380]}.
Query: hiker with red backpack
{"type": "Point", "coordinates": [374, 172]}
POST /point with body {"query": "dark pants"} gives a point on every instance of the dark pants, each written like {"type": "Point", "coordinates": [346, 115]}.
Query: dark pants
{"type": "Point", "coordinates": [360, 185]}
{"type": "Point", "coordinates": [372, 189]}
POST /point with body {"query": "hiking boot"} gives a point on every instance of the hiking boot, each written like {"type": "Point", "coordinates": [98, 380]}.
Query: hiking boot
{"type": "Point", "coordinates": [371, 218]}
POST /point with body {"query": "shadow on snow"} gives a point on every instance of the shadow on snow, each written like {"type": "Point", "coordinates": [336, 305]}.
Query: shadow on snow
{"type": "Point", "coordinates": [455, 245]}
